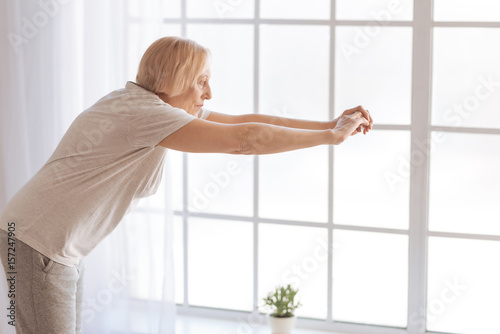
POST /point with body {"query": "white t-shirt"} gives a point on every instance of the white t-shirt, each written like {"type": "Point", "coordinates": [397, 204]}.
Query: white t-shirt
{"type": "Point", "coordinates": [107, 158]}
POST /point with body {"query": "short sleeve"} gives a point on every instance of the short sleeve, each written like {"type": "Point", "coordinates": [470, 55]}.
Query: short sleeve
{"type": "Point", "coordinates": [203, 113]}
{"type": "Point", "coordinates": [151, 127]}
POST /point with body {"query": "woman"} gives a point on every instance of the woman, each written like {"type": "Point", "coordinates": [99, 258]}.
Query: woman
{"type": "Point", "coordinates": [112, 154]}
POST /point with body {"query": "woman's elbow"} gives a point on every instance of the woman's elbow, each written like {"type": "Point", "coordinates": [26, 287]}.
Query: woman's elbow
{"type": "Point", "coordinates": [248, 139]}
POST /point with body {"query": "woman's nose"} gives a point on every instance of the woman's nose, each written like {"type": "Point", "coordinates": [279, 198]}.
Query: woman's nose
{"type": "Point", "coordinates": [208, 93]}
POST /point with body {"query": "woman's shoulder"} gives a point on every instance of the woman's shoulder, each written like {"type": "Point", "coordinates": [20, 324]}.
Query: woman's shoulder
{"type": "Point", "coordinates": [128, 101]}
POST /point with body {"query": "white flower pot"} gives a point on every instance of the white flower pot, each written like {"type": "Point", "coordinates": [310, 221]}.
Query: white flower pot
{"type": "Point", "coordinates": [282, 325]}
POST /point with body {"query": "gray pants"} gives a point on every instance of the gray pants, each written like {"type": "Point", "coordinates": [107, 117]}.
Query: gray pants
{"type": "Point", "coordinates": [48, 295]}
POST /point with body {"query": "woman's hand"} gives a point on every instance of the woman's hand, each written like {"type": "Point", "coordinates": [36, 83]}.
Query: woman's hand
{"type": "Point", "coordinates": [351, 122]}
{"type": "Point", "coordinates": [364, 113]}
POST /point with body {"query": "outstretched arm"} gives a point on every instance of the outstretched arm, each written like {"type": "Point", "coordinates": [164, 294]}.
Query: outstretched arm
{"type": "Point", "coordinates": [203, 136]}
{"type": "Point", "coordinates": [287, 122]}
{"type": "Point", "coordinates": [268, 119]}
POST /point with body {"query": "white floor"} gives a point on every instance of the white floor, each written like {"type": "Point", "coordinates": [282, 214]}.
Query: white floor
{"type": "Point", "coordinates": [198, 325]}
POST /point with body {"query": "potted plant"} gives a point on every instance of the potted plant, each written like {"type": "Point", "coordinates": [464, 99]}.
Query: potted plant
{"type": "Point", "coordinates": [282, 302]}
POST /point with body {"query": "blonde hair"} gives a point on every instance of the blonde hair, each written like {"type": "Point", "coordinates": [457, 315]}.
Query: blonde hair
{"type": "Point", "coordinates": [171, 64]}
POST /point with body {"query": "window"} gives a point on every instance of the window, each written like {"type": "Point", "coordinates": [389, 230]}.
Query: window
{"type": "Point", "coordinates": [398, 229]}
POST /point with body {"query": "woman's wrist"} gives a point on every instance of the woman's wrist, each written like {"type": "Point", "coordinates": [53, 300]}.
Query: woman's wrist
{"type": "Point", "coordinates": [333, 137]}
{"type": "Point", "coordinates": [332, 124]}
{"type": "Point", "coordinates": [326, 125]}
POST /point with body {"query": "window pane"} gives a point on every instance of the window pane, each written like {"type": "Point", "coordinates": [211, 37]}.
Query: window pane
{"type": "Point", "coordinates": [220, 263]}
{"type": "Point", "coordinates": [232, 65]}
{"type": "Point", "coordinates": [175, 170]}
{"type": "Point", "coordinates": [466, 10]}
{"type": "Point", "coordinates": [373, 68]}
{"type": "Point", "coordinates": [146, 236]}
{"type": "Point", "coordinates": [294, 185]}
{"type": "Point", "coordinates": [298, 256]}
{"type": "Point", "coordinates": [140, 37]}
{"type": "Point", "coordinates": [463, 289]}
{"type": "Point", "coordinates": [168, 9]}
{"type": "Point", "coordinates": [464, 184]}
{"type": "Point", "coordinates": [375, 10]}
{"type": "Point", "coordinates": [295, 9]}
{"type": "Point", "coordinates": [178, 248]}
{"type": "Point", "coordinates": [370, 186]}
{"type": "Point", "coordinates": [221, 9]}
{"type": "Point", "coordinates": [370, 282]}
{"type": "Point", "coordinates": [466, 77]}
{"type": "Point", "coordinates": [293, 72]}
{"type": "Point", "coordinates": [221, 183]}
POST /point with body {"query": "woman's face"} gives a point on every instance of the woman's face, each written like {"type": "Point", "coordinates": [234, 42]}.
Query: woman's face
{"type": "Point", "coordinates": [192, 100]}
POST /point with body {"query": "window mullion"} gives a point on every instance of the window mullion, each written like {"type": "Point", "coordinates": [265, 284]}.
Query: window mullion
{"type": "Point", "coordinates": [419, 177]}
{"type": "Point", "coordinates": [256, 162]}
{"type": "Point", "coordinates": [185, 200]}
{"type": "Point", "coordinates": [331, 113]}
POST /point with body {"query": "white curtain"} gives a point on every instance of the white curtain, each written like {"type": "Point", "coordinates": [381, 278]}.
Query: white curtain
{"type": "Point", "coordinates": [58, 57]}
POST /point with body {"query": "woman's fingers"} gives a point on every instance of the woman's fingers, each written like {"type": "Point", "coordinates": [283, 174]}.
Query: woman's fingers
{"type": "Point", "coordinates": [351, 123]}
{"type": "Point", "coordinates": [361, 122]}
{"type": "Point", "coordinates": [360, 111]}
{"type": "Point", "coordinates": [365, 125]}
{"type": "Point", "coordinates": [358, 130]}
{"type": "Point", "coordinates": [370, 119]}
